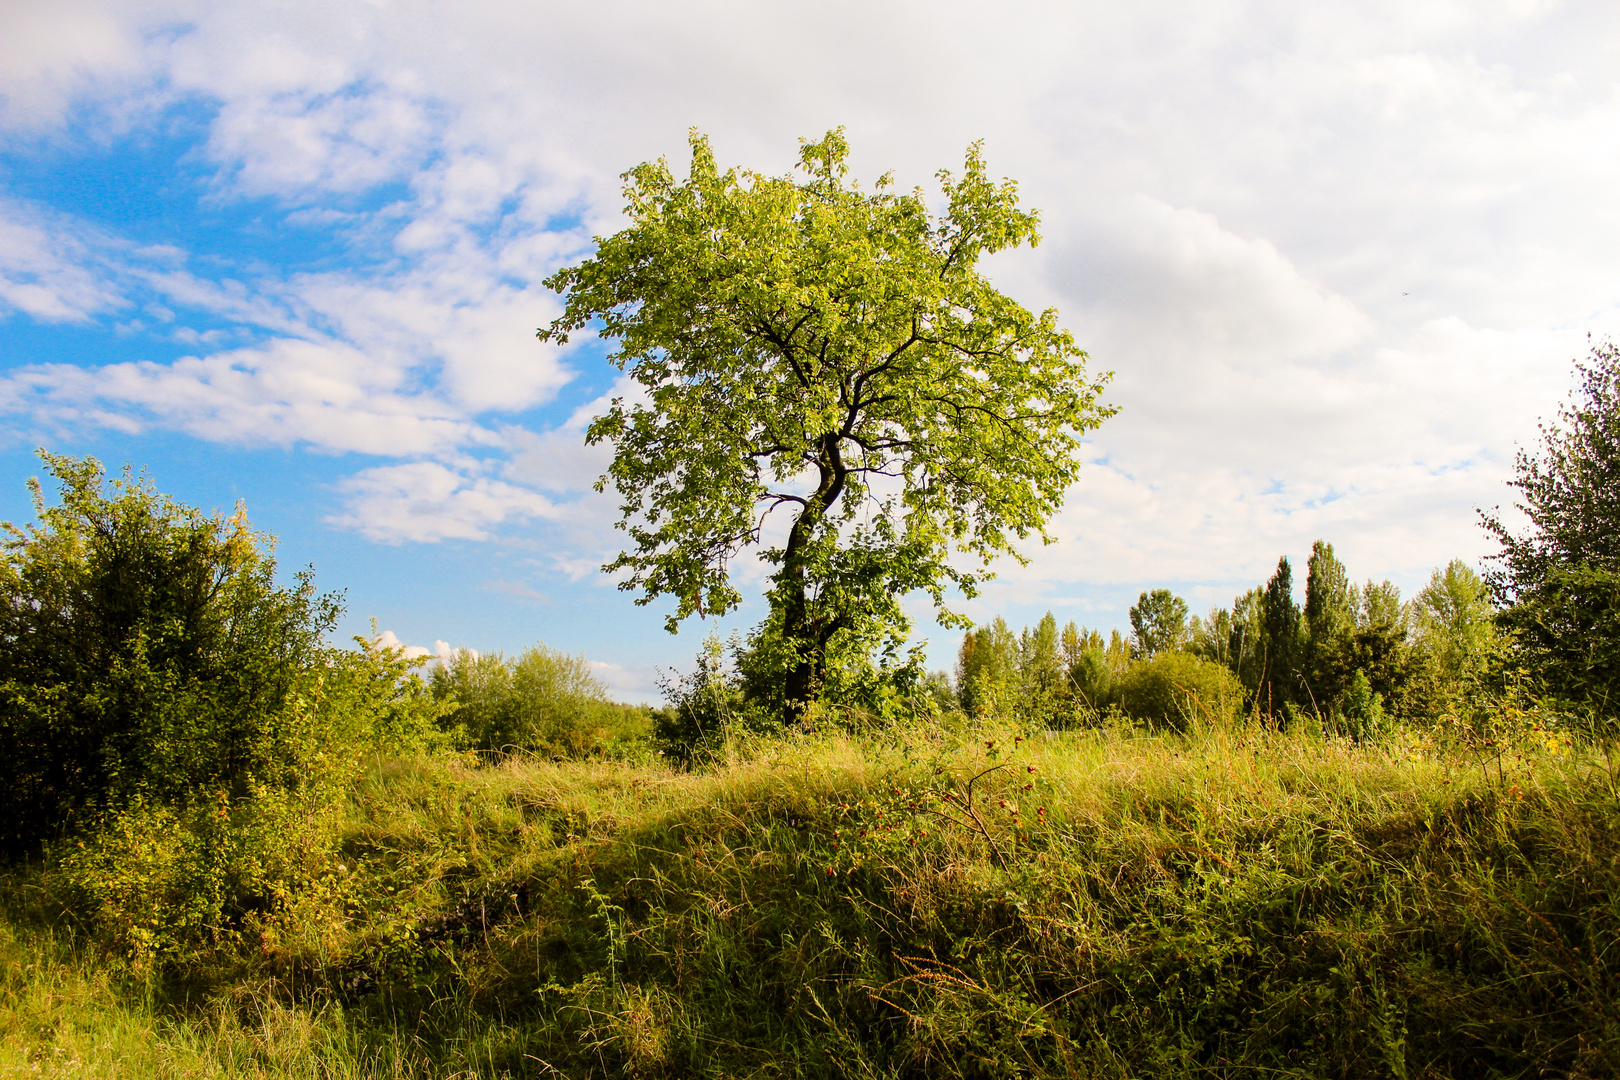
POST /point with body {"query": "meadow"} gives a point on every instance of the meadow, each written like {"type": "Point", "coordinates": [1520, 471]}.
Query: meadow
{"type": "Point", "coordinates": [929, 899]}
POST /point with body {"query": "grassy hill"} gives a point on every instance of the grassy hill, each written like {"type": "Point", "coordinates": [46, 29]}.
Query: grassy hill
{"type": "Point", "coordinates": [1231, 903]}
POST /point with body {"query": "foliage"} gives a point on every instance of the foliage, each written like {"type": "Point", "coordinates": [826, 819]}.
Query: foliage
{"type": "Point", "coordinates": [1175, 691]}
{"type": "Point", "coordinates": [145, 651]}
{"type": "Point", "coordinates": [544, 702]}
{"type": "Point", "coordinates": [1330, 619]}
{"type": "Point", "coordinates": [1361, 714]}
{"type": "Point", "coordinates": [1560, 580]}
{"type": "Point", "coordinates": [803, 345]}
{"type": "Point", "coordinates": [1158, 623]}
{"type": "Point", "coordinates": [1283, 646]}
{"type": "Point", "coordinates": [702, 706]}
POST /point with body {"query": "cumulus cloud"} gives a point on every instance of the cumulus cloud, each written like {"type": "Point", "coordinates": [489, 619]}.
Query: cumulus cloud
{"type": "Point", "coordinates": [1338, 255]}
{"type": "Point", "coordinates": [425, 502]}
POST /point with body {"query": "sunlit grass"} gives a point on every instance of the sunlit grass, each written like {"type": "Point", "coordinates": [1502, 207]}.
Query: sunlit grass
{"type": "Point", "coordinates": [1114, 902]}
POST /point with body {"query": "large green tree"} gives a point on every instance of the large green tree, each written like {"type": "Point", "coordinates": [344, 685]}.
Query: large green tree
{"type": "Point", "coordinates": [804, 346]}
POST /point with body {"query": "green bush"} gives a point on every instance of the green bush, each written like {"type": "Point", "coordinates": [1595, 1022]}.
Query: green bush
{"type": "Point", "coordinates": [1176, 690]}
{"type": "Point", "coordinates": [145, 649]}
{"type": "Point", "coordinates": [1092, 680]}
{"type": "Point", "coordinates": [545, 702]}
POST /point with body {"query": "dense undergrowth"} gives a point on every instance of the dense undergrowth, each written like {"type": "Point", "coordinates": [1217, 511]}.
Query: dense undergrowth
{"type": "Point", "coordinates": [1233, 902]}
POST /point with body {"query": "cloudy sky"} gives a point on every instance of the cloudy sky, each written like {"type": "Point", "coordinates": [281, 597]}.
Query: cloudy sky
{"type": "Point", "coordinates": [1338, 257]}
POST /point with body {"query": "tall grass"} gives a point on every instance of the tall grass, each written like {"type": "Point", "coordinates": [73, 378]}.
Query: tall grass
{"type": "Point", "coordinates": [1231, 902]}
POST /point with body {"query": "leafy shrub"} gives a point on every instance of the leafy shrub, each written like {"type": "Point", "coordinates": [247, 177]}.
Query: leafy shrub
{"type": "Point", "coordinates": [700, 706]}
{"type": "Point", "coordinates": [1177, 690]}
{"type": "Point", "coordinates": [145, 649]}
{"type": "Point", "coordinates": [545, 702]}
{"type": "Point", "coordinates": [1361, 712]}
{"type": "Point", "coordinates": [1092, 680]}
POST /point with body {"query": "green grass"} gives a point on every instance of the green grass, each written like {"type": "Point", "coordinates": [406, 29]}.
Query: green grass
{"type": "Point", "coordinates": [1234, 903]}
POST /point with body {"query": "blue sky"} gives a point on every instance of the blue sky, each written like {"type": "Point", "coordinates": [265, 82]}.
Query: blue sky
{"type": "Point", "coordinates": [1339, 260]}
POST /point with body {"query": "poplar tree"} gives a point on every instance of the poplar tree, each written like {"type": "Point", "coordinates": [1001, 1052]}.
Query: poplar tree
{"type": "Point", "coordinates": [1284, 641]}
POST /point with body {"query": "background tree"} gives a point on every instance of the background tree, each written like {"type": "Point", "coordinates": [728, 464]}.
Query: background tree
{"type": "Point", "coordinates": [1247, 654]}
{"type": "Point", "coordinates": [803, 345]}
{"type": "Point", "coordinates": [1210, 637]}
{"type": "Point", "coordinates": [1158, 622]}
{"type": "Point", "coordinates": [1453, 620]}
{"type": "Point", "coordinates": [1284, 645]}
{"type": "Point", "coordinates": [1042, 677]}
{"type": "Point", "coordinates": [1559, 580]}
{"type": "Point", "coordinates": [987, 667]}
{"type": "Point", "coordinates": [542, 701]}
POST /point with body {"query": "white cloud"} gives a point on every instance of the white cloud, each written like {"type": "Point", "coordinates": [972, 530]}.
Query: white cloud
{"type": "Point", "coordinates": [628, 682]}
{"type": "Point", "coordinates": [1338, 254]}
{"type": "Point", "coordinates": [46, 272]}
{"type": "Point", "coordinates": [425, 502]}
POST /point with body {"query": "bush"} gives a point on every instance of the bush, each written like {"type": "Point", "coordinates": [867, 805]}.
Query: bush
{"type": "Point", "coordinates": [145, 649]}
{"type": "Point", "coordinates": [1177, 690]}
{"type": "Point", "coordinates": [545, 702]}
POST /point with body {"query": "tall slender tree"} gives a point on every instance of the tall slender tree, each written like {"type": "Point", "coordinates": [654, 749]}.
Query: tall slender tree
{"type": "Point", "coordinates": [1284, 641]}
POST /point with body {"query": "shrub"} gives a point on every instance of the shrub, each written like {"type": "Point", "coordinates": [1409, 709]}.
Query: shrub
{"type": "Point", "coordinates": [145, 649]}
{"type": "Point", "coordinates": [545, 702]}
{"type": "Point", "coordinates": [1177, 690]}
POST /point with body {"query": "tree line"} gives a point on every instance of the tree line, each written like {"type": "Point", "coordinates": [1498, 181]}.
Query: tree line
{"type": "Point", "coordinates": [1356, 657]}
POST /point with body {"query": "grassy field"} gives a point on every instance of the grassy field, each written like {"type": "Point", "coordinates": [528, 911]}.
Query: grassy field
{"type": "Point", "coordinates": [1109, 903]}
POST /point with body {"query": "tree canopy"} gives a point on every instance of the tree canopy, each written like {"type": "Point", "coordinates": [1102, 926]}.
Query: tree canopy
{"type": "Point", "coordinates": [805, 346]}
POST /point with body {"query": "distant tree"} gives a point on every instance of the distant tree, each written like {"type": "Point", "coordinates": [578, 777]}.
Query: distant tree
{"type": "Point", "coordinates": [987, 667]}
{"type": "Point", "coordinates": [1041, 673]}
{"type": "Point", "coordinates": [1330, 620]}
{"type": "Point", "coordinates": [543, 701]}
{"type": "Point", "coordinates": [1453, 619]}
{"type": "Point", "coordinates": [1284, 645]}
{"type": "Point", "coordinates": [1247, 654]}
{"type": "Point", "coordinates": [1210, 637]}
{"type": "Point", "coordinates": [1559, 580]}
{"type": "Point", "coordinates": [806, 346]}
{"type": "Point", "coordinates": [1158, 622]}
{"type": "Point", "coordinates": [1380, 606]}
